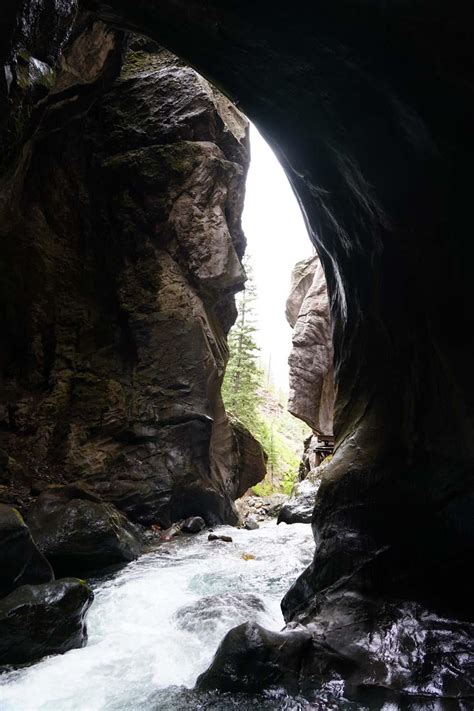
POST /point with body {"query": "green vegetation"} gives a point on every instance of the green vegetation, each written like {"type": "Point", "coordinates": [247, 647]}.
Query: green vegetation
{"type": "Point", "coordinates": [250, 396]}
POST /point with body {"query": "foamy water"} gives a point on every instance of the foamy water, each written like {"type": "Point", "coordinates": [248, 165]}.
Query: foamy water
{"type": "Point", "coordinates": [155, 625]}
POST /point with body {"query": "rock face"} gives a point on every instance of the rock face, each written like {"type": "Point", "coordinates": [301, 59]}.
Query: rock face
{"type": "Point", "coordinates": [380, 154]}
{"type": "Point", "coordinates": [37, 620]}
{"type": "Point", "coordinates": [127, 232]}
{"type": "Point", "coordinates": [311, 395]}
{"type": "Point", "coordinates": [78, 533]}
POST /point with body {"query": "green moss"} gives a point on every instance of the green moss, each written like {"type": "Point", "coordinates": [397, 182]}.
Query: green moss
{"type": "Point", "coordinates": [19, 516]}
{"type": "Point", "coordinates": [135, 62]}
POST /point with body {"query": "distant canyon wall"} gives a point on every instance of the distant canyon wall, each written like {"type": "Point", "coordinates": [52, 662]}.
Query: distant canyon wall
{"type": "Point", "coordinates": [311, 374]}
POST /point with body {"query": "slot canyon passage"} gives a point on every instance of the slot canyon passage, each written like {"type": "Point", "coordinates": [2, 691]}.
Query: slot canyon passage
{"type": "Point", "coordinates": [122, 181]}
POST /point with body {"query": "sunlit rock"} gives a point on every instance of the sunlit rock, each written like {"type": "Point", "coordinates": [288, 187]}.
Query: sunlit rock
{"type": "Point", "coordinates": [311, 396]}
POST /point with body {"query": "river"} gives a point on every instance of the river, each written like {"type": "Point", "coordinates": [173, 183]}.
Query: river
{"type": "Point", "coordinates": [155, 625]}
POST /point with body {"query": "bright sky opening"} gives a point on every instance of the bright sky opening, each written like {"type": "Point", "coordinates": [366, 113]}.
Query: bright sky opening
{"type": "Point", "coordinates": [276, 239]}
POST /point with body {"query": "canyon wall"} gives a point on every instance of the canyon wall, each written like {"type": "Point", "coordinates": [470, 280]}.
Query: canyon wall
{"type": "Point", "coordinates": [120, 255]}
{"type": "Point", "coordinates": [311, 373]}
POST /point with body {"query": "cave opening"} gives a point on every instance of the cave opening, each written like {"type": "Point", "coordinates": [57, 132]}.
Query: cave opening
{"type": "Point", "coordinates": [370, 112]}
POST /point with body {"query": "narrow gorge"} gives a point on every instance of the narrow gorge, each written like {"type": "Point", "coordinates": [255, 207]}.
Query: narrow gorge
{"type": "Point", "coordinates": [124, 153]}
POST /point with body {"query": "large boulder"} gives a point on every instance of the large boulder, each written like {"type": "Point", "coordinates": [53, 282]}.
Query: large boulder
{"type": "Point", "coordinates": [299, 507]}
{"type": "Point", "coordinates": [36, 620]}
{"type": "Point", "coordinates": [249, 459]}
{"type": "Point", "coordinates": [20, 560]}
{"type": "Point", "coordinates": [78, 533]}
{"type": "Point", "coordinates": [251, 658]}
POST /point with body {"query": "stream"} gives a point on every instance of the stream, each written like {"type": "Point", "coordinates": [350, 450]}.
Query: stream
{"type": "Point", "coordinates": [154, 626]}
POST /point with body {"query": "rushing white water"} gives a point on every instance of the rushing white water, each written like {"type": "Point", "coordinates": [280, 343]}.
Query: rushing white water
{"type": "Point", "coordinates": [155, 625]}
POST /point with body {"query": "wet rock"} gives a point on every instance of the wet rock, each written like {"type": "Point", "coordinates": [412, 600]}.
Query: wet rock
{"type": "Point", "coordinates": [79, 533]}
{"type": "Point", "coordinates": [195, 524]}
{"type": "Point", "coordinates": [20, 560]}
{"type": "Point", "coordinates": [392, 646]}
{"type": "Point", "coordinates": [250, 659]}
{"type": "Point", "coordinates": [251, 524]}
{"type": "Point", "coordinates": [299, 508]}
{"type": "Point", "coordinates": [213, 610]}
{"type": "Point", "coordinates": [215, 537]}
{"type": "Point", "coordinates": [37, 620]}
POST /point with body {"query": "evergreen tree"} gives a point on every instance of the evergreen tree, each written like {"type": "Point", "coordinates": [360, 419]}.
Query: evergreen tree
{"type": "Point", "coordinates": [249, 396]}
{"type": "Point", "coordinates": [243, 375]}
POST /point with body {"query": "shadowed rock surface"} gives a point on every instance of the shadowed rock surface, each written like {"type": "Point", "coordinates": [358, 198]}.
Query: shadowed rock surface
{"type": "Point", "coordinates": [370, 108]}
{"type": "Point", "coordinates": [21, 563]}
{"type": "Point", "coordinates": [78, 533]}
{"type": "Point", "coordinates": [37, 620]}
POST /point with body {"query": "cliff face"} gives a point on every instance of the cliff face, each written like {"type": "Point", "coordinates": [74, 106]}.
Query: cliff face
{"type": "Point", "coordinates": [311, 396]}
{"type": "Point", "coordinates": [126, 240]}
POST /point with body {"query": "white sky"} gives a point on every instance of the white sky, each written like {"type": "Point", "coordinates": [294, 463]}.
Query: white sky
{"type": "Point", "coordinates": [276, 240]}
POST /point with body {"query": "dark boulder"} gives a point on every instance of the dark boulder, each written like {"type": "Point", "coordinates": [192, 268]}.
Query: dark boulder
{"type": "Point", "coordinates": [21, 562]}
{"type": "Point", "coordinates": [215, 537]}
{"type": "Point", "coordinates": [78, 533]}
{"type": "Point", "coordinates": [37, 620]}
{"type": "Point", "coordinates": [250, 659]}
{"type": "Point", "coordinates": [299, 508]}
{"type": "Point", "coordinates": [193, 524]}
